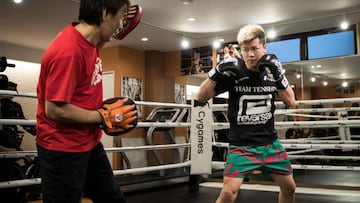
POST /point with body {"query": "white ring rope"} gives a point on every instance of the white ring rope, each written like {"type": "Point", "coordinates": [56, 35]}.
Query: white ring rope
{"type": "Point", "coordinates": [151, 168]}
{"type": "Point", "coordinates": [312, 116]}
{"type": "Point", "coordinates": [35, 181]}
{"type": "Point", "coordinates": [314, 145]}
{"type": "Point", "coordinates": [326, 167]}
{"type": "Point", "coordinates": [17, 94]}
{"type": "Point", "coordinates": [223, 107]}
{"type": "Point", "coordinates": [303, 151]}
{"type": "Point", "coordinates": [317, 124]}
{"type": "Point", "coordinates": [219, 125]}
{"type": "Point", "coordinates": [352, 158]}
{"type": "Point", "coordinates": [325, 101]}
{"type": "Point", "coordinates": [162, 124]}
{"type": "Point", "coordinates": [221, 165]}
{"type": "Point", "coordinates": [322, 146]}
{"type": "Point", "coordinates": [298, 102]}
{"type": "Point", "coordinates": [302, 124]}
{"type": "Point", "coordinates": [306, 146]}
{"type": "Point", "coordinates": [161, 104]}
{"type": "Point", "coordinates": [19, 154]}
{"type": "Point", "coordinates": [305, 141]}
{"type": "Point", "coordinates": [320, 138]}
{"type": "Point", "coordinates": [20, 183]}
{"type": "Point", "coordinates": [316, 110]}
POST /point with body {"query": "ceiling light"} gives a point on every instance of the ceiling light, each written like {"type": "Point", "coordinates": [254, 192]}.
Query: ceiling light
{"type": "Point", "coordinates": [221, 40]}
{"type": "Point", "coordinates": [144, 39]}
{"type": "Point", "coordinates": [184, 43]}
{"type": "Point", "coordinates": [17, 1]}
{"type": "Point", "coordinates": [272, 33]}
{"type": "Point", "coordinates": [191, 19]}
{"type": "Point", "coordinates": [344, 84]}
{"type": "Point", "coordinates": [216, 44]}
{"type": "Point", "coordinates": [344, 25]}
{"type": "Point", "coordinates": [313, 79]}
{"type": "Point", "coordinates": [298, 76]}
{"type": "Point", "coordinates": [325, 83]}
{"type": "Point", "coordinates": [318, 66]}
{"type": "Point", "coordinates": [186, 2]}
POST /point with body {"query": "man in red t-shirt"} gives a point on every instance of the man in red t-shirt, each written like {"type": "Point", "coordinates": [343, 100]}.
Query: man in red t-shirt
{"type": "Point", "coordinates": [72, 159]}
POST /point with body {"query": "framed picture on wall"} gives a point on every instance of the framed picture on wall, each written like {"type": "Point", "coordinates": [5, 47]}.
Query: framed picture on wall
{"type": "Point", "coordinates": [132, 88]}
{"type": "Point", "coordinates": [180, 94]}
{"type": "Point", "coordinates": [196, 61]}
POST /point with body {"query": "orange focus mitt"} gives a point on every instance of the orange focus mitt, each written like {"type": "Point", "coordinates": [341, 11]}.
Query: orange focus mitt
{"type": "Point", "coordinates": [119, 115]}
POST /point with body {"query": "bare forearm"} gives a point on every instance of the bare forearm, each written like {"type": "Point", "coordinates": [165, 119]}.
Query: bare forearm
{"type": "Point", "coordinates": [206, 91]}
{"type": "Point", "coordinates": [288, 96]}
{"type": "Point", "coordinates": [68, 113]}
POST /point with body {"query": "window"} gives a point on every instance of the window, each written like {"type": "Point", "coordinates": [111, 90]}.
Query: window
{"type": "Point", "coordinates": [285, 50]}
{"type": "Point", "coordinates": [331, 45]}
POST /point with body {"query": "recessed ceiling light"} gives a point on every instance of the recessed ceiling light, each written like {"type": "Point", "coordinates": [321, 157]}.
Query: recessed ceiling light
{"type": "Point", "coordinates": [186, 2]}
{"type": "Point", "coordinates": [318, 66]}
{"type": "Point", "coordinates": [191, 19]}
{"type": "Point", "coordinates": [216, 44]}
{"type": "Point", "coordinates": [342, 74]}
{"type": "Point", "coordinates": [272, 34]}
{"type": "Point", "coordinates": [221, 40]}
{"type": "Point", "coordinates": [344, 25]}
{"type": "Point", "coordinates": [144, 39]}
{"type": "Point", "coordinates": [184, 43]}
{"type": "Point", "coordinates": [17, 1]}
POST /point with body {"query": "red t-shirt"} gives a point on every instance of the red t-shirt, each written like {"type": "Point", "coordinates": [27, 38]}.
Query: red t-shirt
{"type": "Point", "coordinates": [71, 72]}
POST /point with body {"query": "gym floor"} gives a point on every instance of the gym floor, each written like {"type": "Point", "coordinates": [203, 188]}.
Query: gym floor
{"type": "Point", "coordinates": [313, 186]}
{"type": "Point", "coordinates": [180, 194]}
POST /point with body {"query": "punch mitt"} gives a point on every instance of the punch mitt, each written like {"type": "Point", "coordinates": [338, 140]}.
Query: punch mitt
{"type": "Point", "coordinates": [119, 116]}
{"type": "Point", "coordinates": [132, 19]}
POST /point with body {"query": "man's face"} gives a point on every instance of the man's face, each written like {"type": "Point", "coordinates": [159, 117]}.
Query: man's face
{"type": "Point", "coordinates": [112, 23]}
{"type": "Point", "coordinates": [251, 52]}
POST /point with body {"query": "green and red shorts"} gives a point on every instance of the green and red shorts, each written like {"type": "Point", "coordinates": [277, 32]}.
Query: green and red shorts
{"type": "Point", "coordinates": [243, 160]}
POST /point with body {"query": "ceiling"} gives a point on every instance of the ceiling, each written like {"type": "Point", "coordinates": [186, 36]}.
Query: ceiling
{"type": "Point", "coordinates": [34, 24]}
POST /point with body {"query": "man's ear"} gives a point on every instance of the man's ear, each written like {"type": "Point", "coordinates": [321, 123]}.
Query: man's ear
{"type": "Point", "coordinates": [265, 47]}
{"type": "Point", "coordinates": [104, 14]}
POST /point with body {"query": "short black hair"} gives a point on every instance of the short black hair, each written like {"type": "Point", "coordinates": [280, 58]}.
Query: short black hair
{"type": "Point", "coordinates": [91, 10]}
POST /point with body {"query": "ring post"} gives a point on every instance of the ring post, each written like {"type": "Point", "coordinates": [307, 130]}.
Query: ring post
{"type": "Point", "coordinates": [200, 136]}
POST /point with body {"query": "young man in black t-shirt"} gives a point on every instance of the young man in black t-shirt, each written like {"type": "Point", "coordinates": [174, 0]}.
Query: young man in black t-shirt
{"type": "Point", "coordinates": [252, 83]}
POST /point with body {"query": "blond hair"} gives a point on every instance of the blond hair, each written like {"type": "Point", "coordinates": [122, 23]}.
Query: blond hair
{"type": "Point", "coordinates": [250, 32]}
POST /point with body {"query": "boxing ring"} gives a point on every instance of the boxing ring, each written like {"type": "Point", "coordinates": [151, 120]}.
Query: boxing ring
{"type": "Point", "coordinates": [341, 149]}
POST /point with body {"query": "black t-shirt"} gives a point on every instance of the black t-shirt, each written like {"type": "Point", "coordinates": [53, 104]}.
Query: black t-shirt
{"type": "Point", "coordinates": [250, 108]}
